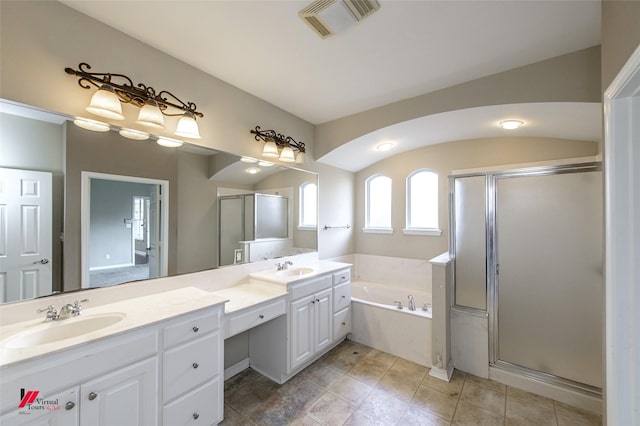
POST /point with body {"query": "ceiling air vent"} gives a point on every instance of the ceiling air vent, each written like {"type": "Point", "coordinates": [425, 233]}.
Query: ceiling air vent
{"type": "Point", "coordinates": [328, 17]}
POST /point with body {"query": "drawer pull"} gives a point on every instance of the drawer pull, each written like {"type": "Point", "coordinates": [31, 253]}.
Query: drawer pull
{"type": "Point", "coordinates": [344, 323]}
{"type": "Point", "coordinates": [195, 416]}
{"type": "Point", "coordinates": [69, 405]}
{"type": "Point", "coordinates": [92, 396]}
{"type": "Point", "coordinates": [344, 297]}
{"type": "Point", "coordinates": [195, 365]}
{"type": "Point", "coordinates": [195, 329]}
{"type": "Point", "coordinates": [261, 316]}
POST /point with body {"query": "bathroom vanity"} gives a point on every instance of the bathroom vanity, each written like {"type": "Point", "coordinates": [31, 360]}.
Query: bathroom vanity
{"type": "Point", "coordinates": [157, 359]}
{"type": "Point", "coordinates": [319, 317]}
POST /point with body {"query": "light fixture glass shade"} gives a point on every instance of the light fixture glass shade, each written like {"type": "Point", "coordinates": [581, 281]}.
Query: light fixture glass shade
{"type": "Point", "coordinates": [169, 143]}
{"type": "Point", "coordinates": [287, 155]}
{"type": "Point", "coordinates": [93, 125]}
{"type": "Point", "coordinates": [105, 103]}
{"type": "Point", "coordinates": [187, 126]}
{"type": "Point", "coordinates": [150, 115]}
{"type": "Point", "coordinates": [270, 150]}
{"type": "Point", "coordinates": [134, 134]}
{"type": "Point", "coordinates": [301, 158]}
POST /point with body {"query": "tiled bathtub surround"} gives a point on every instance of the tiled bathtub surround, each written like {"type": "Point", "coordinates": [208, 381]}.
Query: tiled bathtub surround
{"type": "Point", "coordinates": [357, 385]}
{"type": "Point", "coordinates": [397, 271]}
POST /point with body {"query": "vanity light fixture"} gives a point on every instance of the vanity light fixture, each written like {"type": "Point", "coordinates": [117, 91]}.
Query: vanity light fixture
{"type": "Point", "coordinates": [511, 124]}
{"type": "Point", "coordinates": [93, 125]}
{"type": "Point", "coordinates": [277, 145]}
{"type": "Point", "coordinates": [114, 89]}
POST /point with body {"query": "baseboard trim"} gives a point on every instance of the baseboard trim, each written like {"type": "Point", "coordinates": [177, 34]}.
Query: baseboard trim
{"type": "Point", "coordinates": [441, 373]}
{"type": "Point", "coordinates": [236, 368]}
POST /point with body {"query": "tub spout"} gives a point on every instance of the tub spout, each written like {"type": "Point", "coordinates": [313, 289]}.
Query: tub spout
{"type": "Point", "coordinates": [412, 303]}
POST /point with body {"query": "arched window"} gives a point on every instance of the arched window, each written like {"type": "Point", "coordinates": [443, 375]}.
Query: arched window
{"type": "Point", "coordinates": [378, 204]}
{"type": "Point", "coordinates": [308, 205]}
{"type": "Point", "coordinates": [422, 203]}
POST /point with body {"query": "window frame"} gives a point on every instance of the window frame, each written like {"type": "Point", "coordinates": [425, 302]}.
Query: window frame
{"type": "Point", "coordinates": [301, 225]}
{"type": "Point", "coordinates": [416, 230]}
{"type": "Point", "coordinates": [377, 229]}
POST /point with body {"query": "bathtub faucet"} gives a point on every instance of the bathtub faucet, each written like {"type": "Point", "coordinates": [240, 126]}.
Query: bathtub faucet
{"type": "Point", "coordinates": [412, 303]}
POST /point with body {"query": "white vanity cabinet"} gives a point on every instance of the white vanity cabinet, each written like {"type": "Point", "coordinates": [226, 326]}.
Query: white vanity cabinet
{"type": "Point", "coordinates": [341, 304]}
{"type": "Point", "coordinates": [164, 373]}
{"type": "Point", "coordinates": [192, 366]}
{"type": "Point", "coordinates": [311, 319]}
{"type": "Point", "coordinates": [318, 318]}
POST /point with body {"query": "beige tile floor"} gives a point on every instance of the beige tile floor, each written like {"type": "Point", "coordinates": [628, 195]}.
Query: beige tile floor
{"type": "Point", "coordinates": [357, 385]}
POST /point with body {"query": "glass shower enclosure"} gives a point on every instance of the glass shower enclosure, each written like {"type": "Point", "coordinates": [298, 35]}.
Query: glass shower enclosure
{"type": "Point", "coordinates": [528, 251]}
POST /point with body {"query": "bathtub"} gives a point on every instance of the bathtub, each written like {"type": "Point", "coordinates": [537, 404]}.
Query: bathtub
{"type": "Point", "coordinates": [378, 323]}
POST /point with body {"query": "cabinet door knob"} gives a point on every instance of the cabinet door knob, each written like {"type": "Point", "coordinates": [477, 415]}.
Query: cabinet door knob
{"type": "Point", "coordinates": [318, 300]}
{"type": "Point", "coordinates": [344, 297]}
{"type": "Point", "coordinates": [313, 301]}
{"type": "Point", "coordinates": [195, 365]}
{"type": "Point", "coordinates": [344, 323]}
{"type": "Point", "coordinates": [69, 405]}
{"type": "Point", "coordinates": [195, 329]}
{"type": "Point", "coordinates": [92, 396]}
{"type": "Point", "coordinates": [196, 415]}
{"type": "Point", "coordinates": [261, 316]}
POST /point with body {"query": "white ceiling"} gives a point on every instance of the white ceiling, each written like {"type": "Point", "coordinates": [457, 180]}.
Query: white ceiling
{"type": "Point", "coordinates": [406, 48]}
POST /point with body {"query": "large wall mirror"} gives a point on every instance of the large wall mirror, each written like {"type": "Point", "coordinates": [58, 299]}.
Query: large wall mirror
{"type": "Point", "coordinates": [82, 209]}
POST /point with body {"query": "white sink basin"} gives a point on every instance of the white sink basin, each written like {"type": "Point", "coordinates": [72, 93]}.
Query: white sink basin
{"type": "Point", "coordinates": [294, 272]}
{"type": "Point", "coordinates": [56, 331]}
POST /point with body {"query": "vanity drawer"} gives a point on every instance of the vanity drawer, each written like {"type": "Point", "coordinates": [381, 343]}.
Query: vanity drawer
{"type": "Point", "coordinates": [251, 317]}
{"type": "Point", "coordinates": [342, 277]}
{"type": "Point", "coordinates": [309, 287]}
{"type": "Point", "coordinates": [341, 323]}
{"type": "Point", "coordinates": [188, 366]}
{"type": "Point", "coordinates": [191, 328]}
{"type": "Point", "coordinates": [200, 407]}
{"type": "Point", "coordinates": [341, 296]}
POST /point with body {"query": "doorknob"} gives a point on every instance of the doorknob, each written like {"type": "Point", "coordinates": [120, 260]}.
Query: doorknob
{"type": "Point", "coordinates": [41, 261]}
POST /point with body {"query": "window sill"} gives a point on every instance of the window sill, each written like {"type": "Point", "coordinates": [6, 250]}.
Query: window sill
{"type": "Point", "coordinates": [377, 230]}
{"type": "Point", "coordinates": [433, 232]}
{"type": "Point", "coordinates": [307, 228]}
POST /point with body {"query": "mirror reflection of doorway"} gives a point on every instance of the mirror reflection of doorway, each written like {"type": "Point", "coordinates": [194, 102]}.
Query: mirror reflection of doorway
{"type": "Point", "coordinates": [123, 220]}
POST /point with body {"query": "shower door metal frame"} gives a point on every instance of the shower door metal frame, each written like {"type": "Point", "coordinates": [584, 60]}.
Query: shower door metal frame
{"type": "Point", "coordinates": [493, 274]}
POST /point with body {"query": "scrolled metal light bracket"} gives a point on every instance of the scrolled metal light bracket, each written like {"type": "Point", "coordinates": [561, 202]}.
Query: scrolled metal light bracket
{"type": "Point", "coordinates": [278, 138]}
{"type": "Point", "coordinates": [129, 93]}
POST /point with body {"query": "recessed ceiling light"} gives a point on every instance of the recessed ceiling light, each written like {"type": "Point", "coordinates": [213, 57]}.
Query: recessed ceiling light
{"type": "Point", "coordinates": [93, 125]}
{"type": "Point", "coordinates": [253, 170]}
{"type": "Point", "coordinates": [385, 146]}
{"type": "Point", "coordinates": [170, 143]}
{"type": "Point", "coordinates": [134, 134]}
{"type": "Point", "coordinates": [248, 160]}
{"type": "Point", "coordinates": [511, 124]}
{"type": "Point", "coordinates": [265, 164]}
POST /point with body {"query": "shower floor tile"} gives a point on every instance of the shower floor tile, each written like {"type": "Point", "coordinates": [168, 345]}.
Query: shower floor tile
{"type": "Point", "coordinates": [357, 385]}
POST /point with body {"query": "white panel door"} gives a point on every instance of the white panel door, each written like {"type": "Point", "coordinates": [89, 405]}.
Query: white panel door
{"type": "Point", "coordinates": [323, 319]}
{"type": "Point", "coordinates": [125, 397]}
{"type": "Point", "coordinates": [155, 239]}
{"type": "Point", "coordinates": [25, 234]}
{"type": "Point", "coordinates": [302, 344]}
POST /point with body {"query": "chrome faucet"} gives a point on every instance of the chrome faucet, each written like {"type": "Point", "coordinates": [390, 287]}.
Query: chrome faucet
{"type": "Point", "coordinates": [66, 311]}
{"type": "Point", "coordinates": [284, 265]}
{"type": "Point", "coordinates": [412, 303]}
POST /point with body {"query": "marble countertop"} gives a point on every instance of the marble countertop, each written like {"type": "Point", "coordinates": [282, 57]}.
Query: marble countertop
{"type": "Point", "coordinates": [138, 312]}
{"type": "Point", "coordinates": [318, 268]}
{"type": "Point", "coordinates": [249, 294]}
